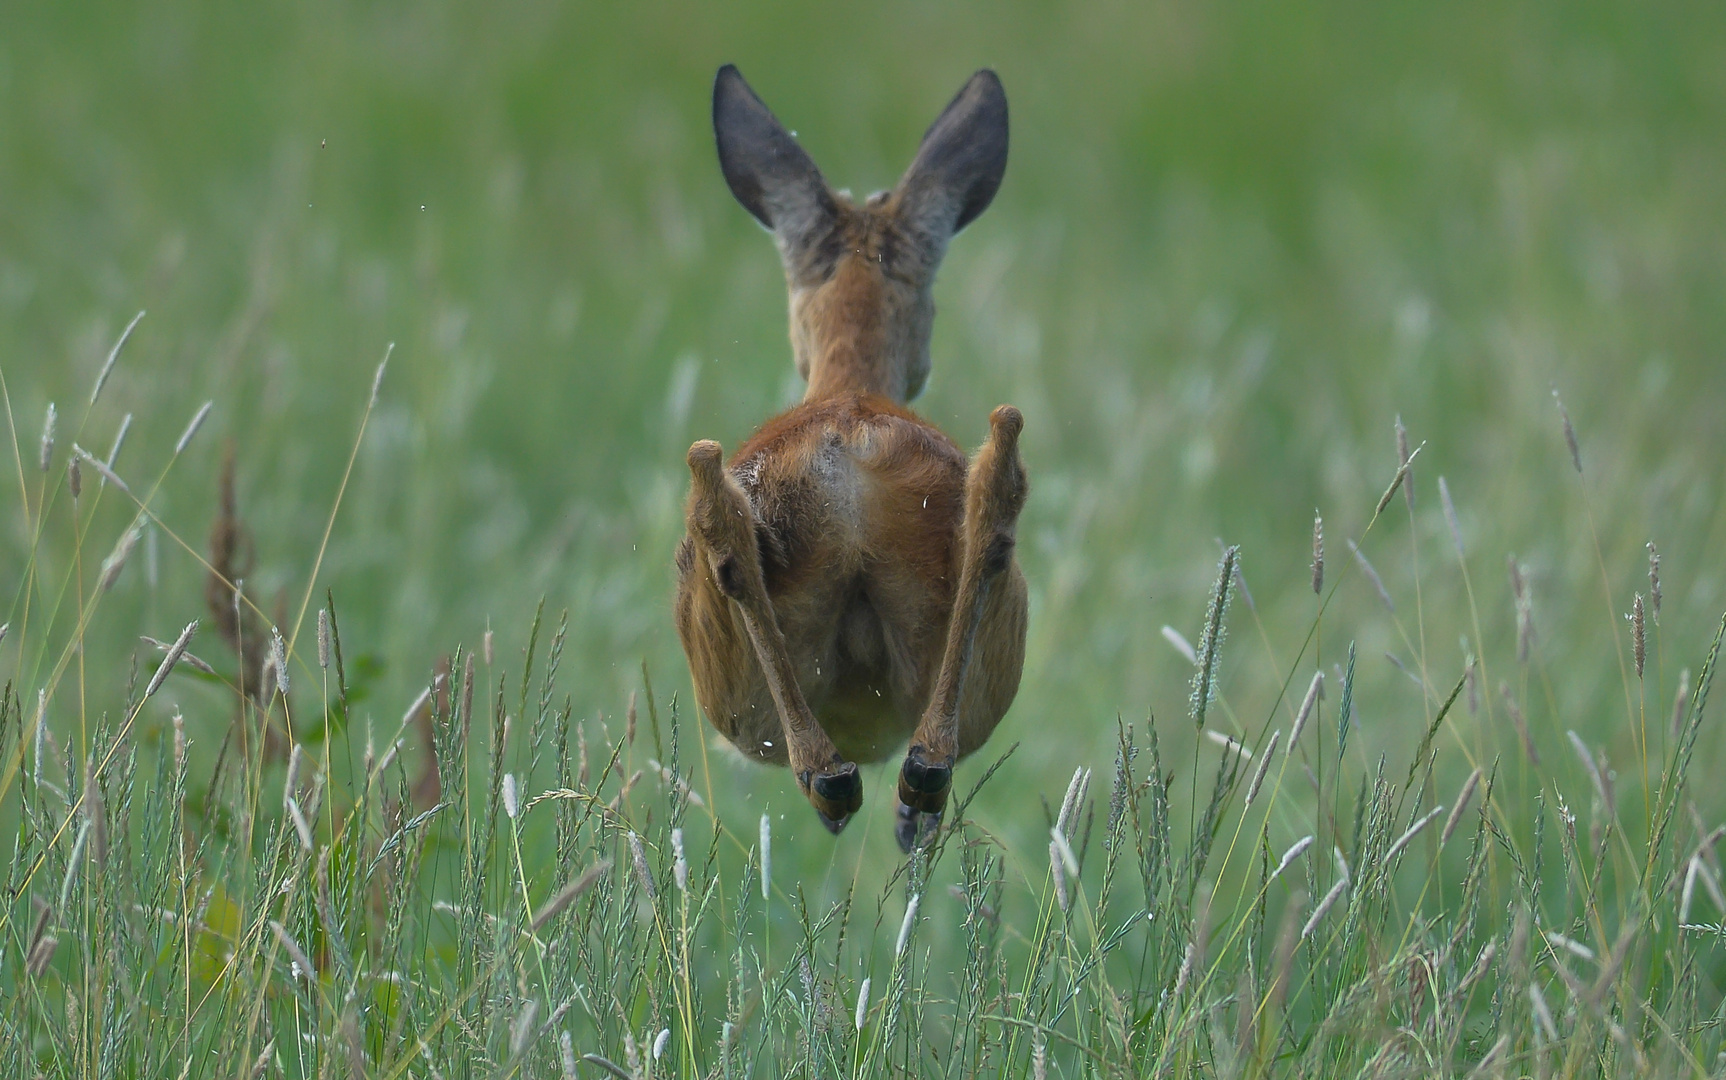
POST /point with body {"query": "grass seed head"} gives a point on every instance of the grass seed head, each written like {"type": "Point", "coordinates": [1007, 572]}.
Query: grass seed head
{"type": "Point", "coordinates": [119, 439]}
{"type": "Point", "coordinates": [1462, 798]}
{"type": "Point", "coordinates": [116, 560]}
{"type": "Point", "coordinates": [1710, 881]}
{"type": "Point", "coordinates": [1638, 634]}
{"type": "Point", "coordinates": [291, 782]}
{"type": "Point", "coordinates": [467, 693]}
{"type": "Point", "coordinates": [1264, 766]}
{"type": "Point", "coordinates": [1413, 831]}
{"type": "Point", "coordinates": [1542, 1012]}
{"type": "Point", "coordinates": [378, 376]}
{"type": "Point", "coordinates": [1569, 431]}
{"type": "Point", "coordinates": [1324, 906]}
{"type": "Point", "coordinates": [1471, 678]}
{"type": "Point", "coordinates": [1571, 946]}
{"type": "Point", "coordinates": [324, 638]}
{"type": "Point", "coordinates": [1287, 939]}
{"type": "Point", "coordinates": [44, 915]}
{"type": "Point", "coordinates": [108, 366]}
{"type": "Point", "coordinates": [907, 924]}
{"type": "Point", "coordinates": [1402, 457]}
{"type": "Point", "coordinates": [1210, 644]}
{"type": "Point", "coordinates": [1181, 645]}
{"type": "Point", "coordinates": [1450, 518]}
{"type": "Point", "coordinates": [45, 452]}
{"type": "Point", "coordinates": [1068, 860]}
{"type": "Point", "coordinates": [862, 1012]}
{"type": "Point", "coordinates": [41, 955]}
{"type": "Point", "coordinates": [1521, 725]}
{"type": "Point", "coordinates": [261, 1064]}
{"type": "Point", "coordinates": [1204, 896]}
{"type": "Point", "coordinates": [1366, 568]}
{"type": "Point", "coordinates": [1295, 851]}
{"type": "Point", "coordinates": [1058, 872]}
{"type": "Point", "coordinates": [766, 856]}
{"type": "Point", "coordinates": [566, 1055]}
{"type": "Point", "coordinates": [1654, 580]}
{"type": "Point", "coordinates": [192, 428]}
{"type": "Point", "coordinates": [74, 479]}
{"type": "Point", "coordinates": [1524, 610]}
{"type": "Point", "coordinates": [1589, 764]}
{"type": "Point", "coordinates": [581, 753]}
{"type": "Point", "coordinates": [1314, 691]}
{"type": "Point", "coordinates": [95, 812]}
{"type": "Point", "coordinates": [74, 862]}
{"type": "Point", "coordinates": [1397, 481]}
{"type": "Point", "coordinates": [1071, 802]}
{"type": "Point", "coordinates": [302, 964]}
{"type": "Point", "coordinates": [1185, 973]}
{"type": "Point", "coordinates": [1482, 964]}
{"type": "Point", "coordinates": [301, 826]}
{"type": "Point", "coordinates": [175, 651]}
{"type": "Point", "coordinates": [1489, 1060]}
{"type": "Point", "coordinates": [1317, 553]}
{"type": "Point", "coordinates": [108, 475]}
{"type": "Point", "coordinates": [41, 736]}
{"type": "Point", "coordinates": [350, 1029]}
{"type": "Point", "coordinates": [521, 1031]}
{"type": "Point", "coordinates": [189, 658]}
{"type": "Point", "coordinates": [638, 859]}
{"type": "Point", "coordinates": [1230, 744]}
{"type": "Point", "coordinates": [278, 660]}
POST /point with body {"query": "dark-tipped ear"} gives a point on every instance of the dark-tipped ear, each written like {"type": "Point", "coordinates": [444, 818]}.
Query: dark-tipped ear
{"type": "Point", "coordinates": [768, 172]}
{"type": "Point", "coordinates": [960, 163]}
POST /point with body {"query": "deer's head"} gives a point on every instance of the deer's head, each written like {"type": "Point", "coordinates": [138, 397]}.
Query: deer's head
{"type": "Point", "coordinates": [861, 276]}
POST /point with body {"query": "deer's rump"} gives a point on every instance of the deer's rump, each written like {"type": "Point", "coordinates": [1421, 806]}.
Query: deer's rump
{"type": "Point", "coordinates": [860, 504]}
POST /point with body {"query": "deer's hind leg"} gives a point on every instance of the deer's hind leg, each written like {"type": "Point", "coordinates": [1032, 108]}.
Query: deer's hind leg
{"type": "Point", "coordinates": [985, 647]}
{"type": "Point", "coordinates": [722, 529]}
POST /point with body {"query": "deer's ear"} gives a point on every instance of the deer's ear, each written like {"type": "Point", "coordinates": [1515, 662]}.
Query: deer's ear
{"type": "Point", "coordinates": [768, 172]}
{"type": "Point", "coordinates": [960, 163]}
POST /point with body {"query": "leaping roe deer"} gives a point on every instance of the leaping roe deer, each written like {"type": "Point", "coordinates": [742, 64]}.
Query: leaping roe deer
{"type": "Point", "coordinates": [848, 578]}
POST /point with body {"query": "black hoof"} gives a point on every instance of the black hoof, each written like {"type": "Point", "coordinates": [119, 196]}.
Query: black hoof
{"type": "Point", "coordinates": [923, 785]}
{"type": "Point", "coordinates": [836, 794]}
{"type": "Point", "coordinates": [915, 829]}
{"type": "Point", "coordinates": [834, 826]}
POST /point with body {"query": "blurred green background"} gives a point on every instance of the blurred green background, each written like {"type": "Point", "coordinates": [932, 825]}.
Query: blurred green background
{"type": "Point", "coordinates": [1235, 241]}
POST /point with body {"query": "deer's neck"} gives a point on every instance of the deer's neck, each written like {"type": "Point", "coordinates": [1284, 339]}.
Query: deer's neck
{"type": "Point", "coordinates": [850, 367]}
{"type": "Point", "coordinates": [856, 333]}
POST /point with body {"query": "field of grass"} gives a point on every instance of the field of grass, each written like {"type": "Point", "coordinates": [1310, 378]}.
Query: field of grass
{"type": "Point", "coordinates": [1238, 248]}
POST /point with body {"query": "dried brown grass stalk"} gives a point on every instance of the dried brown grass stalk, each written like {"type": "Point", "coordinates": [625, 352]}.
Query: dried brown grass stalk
{"type": "Point", "coordinates": [231, 557]}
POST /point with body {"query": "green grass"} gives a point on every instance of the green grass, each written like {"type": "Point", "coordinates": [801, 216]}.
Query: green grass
{"type": "Point", "coordinates": [1234, 244]}
{"type": "Point", "coordinates": [538, 895]}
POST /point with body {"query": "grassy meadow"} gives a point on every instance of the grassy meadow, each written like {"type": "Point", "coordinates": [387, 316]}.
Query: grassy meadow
{"type": "Point", "coordinates": [1247, 258]}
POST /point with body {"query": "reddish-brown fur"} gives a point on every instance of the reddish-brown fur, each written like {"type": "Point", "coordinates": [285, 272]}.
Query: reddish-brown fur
{"type": "Point", "coordinates": [848, 578]}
